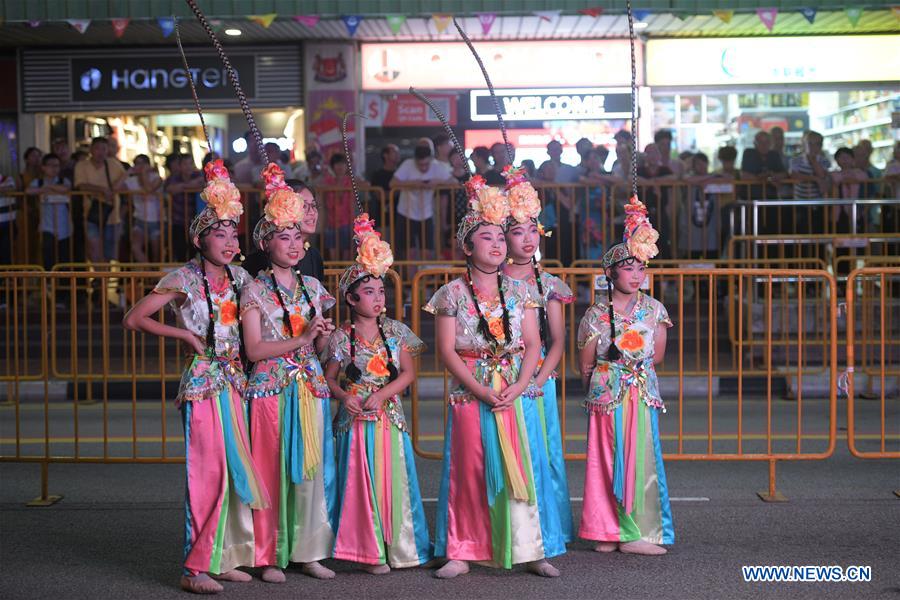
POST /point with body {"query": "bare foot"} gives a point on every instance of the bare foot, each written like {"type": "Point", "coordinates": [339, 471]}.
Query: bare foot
{"type": "Point", "coordinates": [316, 570]}
{"type": "Point", "coordinates": [376, 569]}
{"type": "Point", "coordinates": [233, 575]}
{"type": "Point", "coordinates": [452, 569]}
{"type": "Point", "coordinates": [606, 547]}
{"type": "Point", "coordinates": [543, 568]}
{"type": "Point", "coordinates": [200, 584]}
{"type": "Point", "coordinates": [641, 547]}
{"type": "Point", "coordinates": [272, 575]}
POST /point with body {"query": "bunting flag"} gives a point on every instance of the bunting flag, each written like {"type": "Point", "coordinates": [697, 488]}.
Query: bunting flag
{"type": "Point", "coordinates": [724, 15]}
{"type": "Point", "coordinates": [767, 16]}
{"type": "Point", "coordinates": [641, 15]}
{"type": "Point", "coordinates": [119, 26]}
{"type": "Point", "coordinates": [308, 20]}
{"type": "Point", "coordinates": [896, 11]}
{"type": "Point", "coordinates": [441, 22]}
{"type": "Point", "coordinates": [167, 24]}
{"type": "Point", "coordinates": [809, 13]}
{"type": "Point", "coordinates": [682, 16]}
{"type": "Point", "coordinates": [263, 20]}
{"type": "Point", "coordinates": [591, 12]}
{"type": "Point", "coordinates": [80, 25]}
{"type": "Point", "coordinates": [487, 21]}
{"type": "Point", "coordinates": [33, 24]}
{"type": "Point", "coordinates": [853, 15]}
{"type": "Point", "coordinates": [550, 16]}
{"type": "Point", "coordinates": [395, 22]}
{"type": "Point", "coordinates": [352, 22]}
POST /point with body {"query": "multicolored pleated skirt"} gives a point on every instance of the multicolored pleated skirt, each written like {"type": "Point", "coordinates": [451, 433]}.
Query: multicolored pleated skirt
{"type": "Point", "coordinates": [488, 501]}
{"type": "Point", "coordinates": [625, 493]}
{"type": "Point", "coordinates": [290, 433]}
{"type": "Point", "coordinates": [380, 519]}
{"type": "Point", "coordinates": [222, 480]}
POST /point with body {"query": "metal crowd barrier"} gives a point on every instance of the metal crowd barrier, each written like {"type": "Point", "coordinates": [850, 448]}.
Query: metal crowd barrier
{"type": "Point", "coordinates": [746, 428]}
{"type": "Point", "coordinates": [873, 355]}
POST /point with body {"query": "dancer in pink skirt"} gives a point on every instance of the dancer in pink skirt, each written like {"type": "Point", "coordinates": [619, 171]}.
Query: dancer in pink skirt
{"type": "Point", "coordinates": [622, 337]}
{"type": "Point", "coordinates": [290, 404]}
{"type": "Point", "coordinates": [222, 481]}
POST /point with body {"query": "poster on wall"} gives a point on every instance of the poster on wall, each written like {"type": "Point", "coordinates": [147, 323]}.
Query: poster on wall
{"type": "Point", "coordinates": [405, 110]}
{"type": "Point", "coordinates": [331, 93]}
{"type": "Point", "coordinates": [326, 109]}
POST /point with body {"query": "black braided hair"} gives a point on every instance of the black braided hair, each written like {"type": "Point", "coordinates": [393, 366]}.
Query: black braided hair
{"type": "Point", "coordinates": [211, 326]}
{"type": "Point", "coordinates": [352, 371]}
{"type": "Point", "coordinates": [483, 326]}
{"type": "Point", "coordinates": [285, 315]}
{"type": "Point", "coordinates": [312, 308]}
{"type": "Point", "coordinates": [613, 354]}
{"type": "Point", "coordinates": [507, 328]}
{"type": "Point", "coordinates": [542, 311]}
{"type": "Point", "coordinates": [237, 302]}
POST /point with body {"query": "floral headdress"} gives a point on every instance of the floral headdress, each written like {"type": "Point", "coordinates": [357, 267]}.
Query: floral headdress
{"type": "Point", "coordinates": [640, 237]}
{"type": "Point", "coordinates": [284, 206]}
{"type": "Point", "coordinates": [487, 205]}
{"type": "Point", "coordinates": [223, 199]}
{"type": "Point", "coordinates": [373, 255]}
{"type": "Point", "coordinates": [524, 202]}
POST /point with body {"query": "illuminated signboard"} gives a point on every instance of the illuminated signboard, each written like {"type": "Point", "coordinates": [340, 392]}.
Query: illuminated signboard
{"type": "Point", "coordinates": [450, 65]}
{"type": "Point", "coordinates": [778, 60]}
{"type": "Point", "coordinates": [552, 105]}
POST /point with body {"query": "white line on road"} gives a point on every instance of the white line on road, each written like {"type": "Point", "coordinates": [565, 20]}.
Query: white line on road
{"type": "Point", "coordinates": [580, 499]}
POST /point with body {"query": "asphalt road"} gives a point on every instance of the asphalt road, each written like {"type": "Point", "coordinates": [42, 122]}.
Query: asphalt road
{"type": "Point", "coordinates": [117, 531]}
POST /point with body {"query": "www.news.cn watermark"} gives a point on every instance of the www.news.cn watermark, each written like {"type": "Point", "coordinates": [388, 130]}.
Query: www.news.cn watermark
{"type": "Point", "coordinates": [809, 573]}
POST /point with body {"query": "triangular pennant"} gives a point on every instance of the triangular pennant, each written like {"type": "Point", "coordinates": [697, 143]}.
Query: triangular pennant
{"type": "Point", "coordinates": [550, 16]}
{"type": "Point", "coordinates": [767, 16]}
{"type": "Point", "coordinates": [896, 11]}
{"type": "Point", "coordinates": [119, 26]}
{"type": "Point", "coordinates": [641, 15]}
{"type": "Point", "coordinates": [352, 22]}
{"type": "Point", "coordinates": [591, 12]}
{"type": "Point", "coordinates": [263, 20]}
{"type": "Point", "coordinates": [853, 15]}
{"type": "Point", "coordinates": [441, 22]}
{"type": "Point", "coordinates": [809, 13]}
{"type": "Point", "coordinates": [308, 20]}
{"type": "Point", "coordinates": [80, 25]}
{"type": "Point", "coordinates": [167, 24]}
{"type": "Point", "coordinates": [33, 24]}
{"type": "Point", "coordinates": [395, 22]}
{"type": "Point", "coordinates": [724, 15]}
{"type": "Point", "coordinates": [682, 16]}
{"type": "Point", "coordinates": [487, 21]}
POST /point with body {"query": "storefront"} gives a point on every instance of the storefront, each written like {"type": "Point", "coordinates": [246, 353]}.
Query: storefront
{"type": "Point", "coordinates": [554, 90]}
{"type": "Point", "coordinates": [721, 91]}
{"type": "Point", "coordinates": [141, 97]}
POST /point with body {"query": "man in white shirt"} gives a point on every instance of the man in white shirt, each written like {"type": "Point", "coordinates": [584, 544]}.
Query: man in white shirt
{"type": "Point", "coordinates": [415, 207]}
{"type": "Point", "coordinates": [144, 183]}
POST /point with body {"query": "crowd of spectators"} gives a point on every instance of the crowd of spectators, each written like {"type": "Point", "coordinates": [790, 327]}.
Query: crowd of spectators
{"type": "Point", "coordinates": [90, 205]}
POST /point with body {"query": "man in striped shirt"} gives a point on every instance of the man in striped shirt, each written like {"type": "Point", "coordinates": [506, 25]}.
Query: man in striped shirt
{"type": "Point", "coordinates": [809, 170]}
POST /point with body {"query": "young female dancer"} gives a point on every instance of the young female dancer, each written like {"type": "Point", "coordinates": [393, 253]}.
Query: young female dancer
{"type": "Point", "coordinates": [487, 337]}
{"type": "Point", "coordinates": [290, 413]}
{"type": "Point", "coordinates": [222, 481]}
{"type": "Point", "coordinates": [622, 337]}
{"type": "Point", "coordinates": [380, 520]}
{"type": "Point", "coordinates": [522, 243]}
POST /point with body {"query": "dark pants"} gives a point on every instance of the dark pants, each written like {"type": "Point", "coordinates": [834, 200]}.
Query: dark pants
{"type": "Point", "coordinates": [7, 241]}
{"type": "Point", "coordinates": [420, 232]}
{"type": "Point", "coordinates": [54, 250]}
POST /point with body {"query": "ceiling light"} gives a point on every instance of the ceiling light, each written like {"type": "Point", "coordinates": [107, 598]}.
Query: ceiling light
{"type": "Point", "coordinates": [232, 32]}
{"type": "Point", "coordinates": [640, 25]}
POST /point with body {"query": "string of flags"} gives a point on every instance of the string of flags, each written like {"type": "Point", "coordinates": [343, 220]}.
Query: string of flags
{"type": "Point", "coordinates": [767, 16]}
